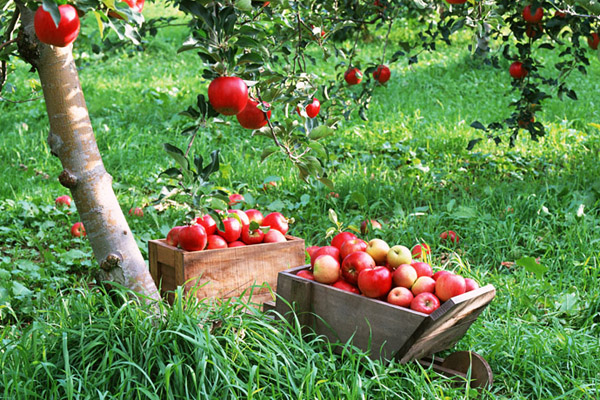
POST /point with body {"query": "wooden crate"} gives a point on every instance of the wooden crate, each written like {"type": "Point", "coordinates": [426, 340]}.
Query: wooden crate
{"type": "Point", "coordinates": [223, 273]}
{"type": "Point", "coordinates": [387, 330]}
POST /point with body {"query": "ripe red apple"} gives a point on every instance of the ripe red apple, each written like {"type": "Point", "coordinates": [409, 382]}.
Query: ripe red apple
{"type": "Point", "coordinates": [215, 242]}
{"type": "Point", "coordinates": [274, 236]}
{"type": "Point", "coordinates": [332, 251]}
{"type": "Point", "coordinates": [78, 230]}
{"type": "Point", "coordinates": [419, 250]}
{"type": "Point", "coordinates": [365, 226]}
{"type": "Point", "coordinates": [233, 229]}
{"type": "Point", "coordinates": [208, 223]}
{"type": "Point", "coordinates": [306, 274]}
{"type": "Point", "coordinates": [378, 249]}
{"type": "Point", "coordinates": [312, 250]}
{"type": "Point", "coordinates": [254, 215]}
{"type": "Point", "coordinates": [439, 273]}
{"type": "Point", "coordinates": [404, 275]}
{"type": "Point", "coordinates": [235, 198]}
{"type": "Point", "coordinates": [594, 41]}
{"type": "Point", "coordinates": [236, 243]}
{"type": "Point", "coordinates": [192, 238]}
{"type": "Point", "coordinates": [252, 117]}
{"type": "Point", "coordinates": [133, 4]}
{"type": "Point", "coordinates": [353, 76]}
{"type": "Point", "coordinates": [354, 264]}
{"type": "Point", "coordinates": [535, 17]}
{"type": "Point", "coordinates": [352, 245]}
{"type": "Point", "coordinates": [252, 237]}
{"type": "Point", "coordinates": [398, 255]}
{"type": "Point", "coordinates": [425, 302]}
{"type": "Point", "coordinates": [326, 269]}
{"type": "Point", "coordinates": [534, 31]}
{"type": "Point", "coordinates": [449, 285]}
{"type": "Point", "coordinates": [517, 70]}
{"type": "Point", "coordinates": [339, 239]}
{"type": "Point", "coordinates": [382, 74]}
{"type": "Point", "coordinates": [470, 284]}
{"type": "Point", "coordinates": [173, 236]}
{"type": "Point", "coordinates": [244, 220]}
{"type": "Point", "coordinates": [456, 1]}
{"type": "Point", "coordinates": [400, 296]}
{"type": "Point", "coordinates": [228, 95]}
{"type": "Point", "coordinates": [375, 282]}
{"type": "Point", "coordinates": [62, 35]}
{"type": "Point", "coordinates": [450, 235]}
{"type": "Point", "coordinates": [276, 221]}
{"type": "Point", "coordinates": [312, 110]}
{"type": "Point", "coordinates": [423, 284]}
{"type": "Point", "coordinates": [343, 285]}
{"type": "Point", "coordinates": [63, 201]}
{"type": "Point", "coordinates": [422, 268]}
{"type": "Point", "coordinates": [137, 212]}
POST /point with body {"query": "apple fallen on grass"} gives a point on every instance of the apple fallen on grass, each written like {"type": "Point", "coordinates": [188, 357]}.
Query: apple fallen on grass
{"type": "Point", "coordinates": [420, 250]}
{"type": "Point", "coordinates": [64, 200]}
{"type": "Point", "coordinates": [450, 235]}
{"type": "Point", "coordinates": [367, 225]}
{"type": "Point", "coordinates": [78, 230]}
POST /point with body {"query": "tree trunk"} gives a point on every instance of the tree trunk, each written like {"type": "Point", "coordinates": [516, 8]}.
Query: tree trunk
{"type": "Point", "coordinates": [71, 139]}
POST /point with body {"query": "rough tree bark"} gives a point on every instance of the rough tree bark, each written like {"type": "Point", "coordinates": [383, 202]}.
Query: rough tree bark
{"type": "Point", "coordinates": [71, 139]}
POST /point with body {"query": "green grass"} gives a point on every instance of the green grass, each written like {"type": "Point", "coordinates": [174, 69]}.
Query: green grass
{"type": "Point", "coordinates": [407, 167]}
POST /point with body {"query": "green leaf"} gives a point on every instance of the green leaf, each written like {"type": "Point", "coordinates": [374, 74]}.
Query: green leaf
{"type": "Point", "coordinates": [249, 58]}
{"type": "Point", "coordinates": [465, 212]}
{"type": "Point", "coordinates": [19, 290]}
{"type": "Point", "coordinates": [531, 265]}
{"type": "Point", "coordinates": [359, 198]}
{"type": "Point", "coordinates": [267, 152]}
{"type": "Point", "coordinates": [333, 216]}
{"type": "Point", "coordinates": [327, 182]}
{"type": "Point", "coordinates": [177, 155]}
{"type": "Point", "coordinates": [320, 132]}
{"type": "Point", "coordinates": [51, 7]}
{"type": "Point", "coordinates": [244, 5]}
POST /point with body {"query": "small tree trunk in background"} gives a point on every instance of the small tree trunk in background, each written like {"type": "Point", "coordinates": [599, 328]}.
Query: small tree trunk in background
{"type": "Point", "coordinates": [72, 140]}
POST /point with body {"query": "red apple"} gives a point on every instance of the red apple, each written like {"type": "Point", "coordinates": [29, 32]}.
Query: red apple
{"type": "Point", "coordinates": [137, 6]}
{"type": "Point", "coordinates": [535, 17]}
{"type": "Point", "coordinates": [343, 285]}
{"type": "Point", "coordinates": [63, 201]}
{"type": "Point", "coordinates": [192, 238]}
{"type": "Point", "coordinates": [332, 251]}
{"type": "Point", "coordinates": [252, 237]}
{"type": "Point", "coordinates": [439, 273]}
{"type": "Point", "coordinates": [425, 302]}
{"type": "Point", "coordinates": [78, 230]}
{"type": "Point", "coordinates": [62, 35]}
{"type": "Point", "coordinates": [423, 284]}
{"type": "Point", "coordinates": [594, 41]}
{"type": "Point", "coordinates": [274, 236]}
{"type": "Point", "coordinates": [312, 250]}
{"type": "Point", "coordinates": [353, 76]}
{"type": "Point", "coordinates": [339, 239]}
{"type": "Point", "coordinates": [456, 1]}
{"type": "Point", "coordinates": [449, 285]}
{"type": "Point", "coordinates": [254, 215]}
{"type": "Point", "coordinates": [400, 296]}
{"type": "Point", "coordinates": [326, 269]}
{"type": "Point", "coordinates": [382, 74]}
{"type": "Point", "coordinates": [354, 264]}
{"type": "Point", "coordinates": [215, 242]}
{"type": "Point", "coordinates": [419, 250]}
{"type": "Point", "coordinates": [236, 243]}
{"type": "Point", "coordinates": [228, 95]}
{"type": "Point", "coordinates": [352, 245]}
{"type": "Point", "coordinates": [208, 223]}
{"type": "Point", "coordinates": [252, 117]}
{"type": "Point", "coordinates": [422, 268]}
{"type": "Point", "coordinates": [378, 249]}
{"type": "Point", "coordinates": [233, 229]}
{"type": "Point", "coordinates": [375, 282]}
{"type": "Point", "coordinates": [365, 226]}
{"type": "Point", "coordinates": [312, 110]}
{"type": "Point", "coordinates": [241, 215]}
{"type": "Point", "coordinates": [470, 284]}
{"type": "Point", "coordinates": [517, 70]}
{"type": "Point", "coordinates": [173, 236]}
{"type": "Point", "coordinates": [277, 221]}
{"type": "Point", "coordinates": [398, 255]}
{"type": "Point", "coordinates": [235, 198]}
{"type": "Point", "coordinates": [306, 274]}
{"type": "Point", "coordinates": [405, 276]}
{"type": "Point", "coordinates": [450, 235]}
{"type": "Point", "coordinates": [137, 212]}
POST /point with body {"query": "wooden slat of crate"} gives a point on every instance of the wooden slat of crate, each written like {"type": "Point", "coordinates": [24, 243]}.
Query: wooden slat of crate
{"type": "Point", "coordinates": [222, 273]}
{"type": "Point", "coordinates": [392, 331]}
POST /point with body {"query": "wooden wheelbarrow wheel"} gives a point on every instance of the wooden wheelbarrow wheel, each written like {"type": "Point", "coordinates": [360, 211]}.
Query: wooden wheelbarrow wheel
{"type": "Point", "coordinates": [458, 364]}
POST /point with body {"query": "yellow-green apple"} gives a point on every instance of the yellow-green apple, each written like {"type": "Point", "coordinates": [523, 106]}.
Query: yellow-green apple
{"type": "Point", "coordinates": [332, 251]}
{"type": "Point", "coordinates": [354, 264]}
{"type": "Point", "coordinates": [398, 255]}
{"type": "Point", "coordinates": [375, 282]}
{"type": "Point", "coordinates": [326, 269]}
{"type": "Point", "coordinates": [306, 274]}
{"type": "Point", "coordinates": [215, 242]}
{"type": "Point", "coordinates": [208, 223]}
{"type": "Point", "coordinates": [400, 296]}
{"type": "Point", "coordinates": [173, 236]}
{"type": "Point", "coordinates": [449, 285]}
{"type": "Point", "coordinates": [422, 268]}
{"type": "Point", "coordinates": [366, 226]}
{"type": "Point", "coordinates": [343, 285]}
{"type": "Point", "coordinates": [378, 249]}
{"type": "Point", "coordinates": [470, 284]}
{"type": "Point", "coordinates": [425, 302]}
{"type": "Point", "coordinates": [420, 250]}
{"type": "Point", "coordinates": [352, 245]}
{"type": "Point", "coordinates": [274, 236]}
{"type": "Point", "coordinates": [404, 275]}
{"type": "Point", "coordinates": [339, 239]}
{"type": "Point", "coordinates": [423, 284]}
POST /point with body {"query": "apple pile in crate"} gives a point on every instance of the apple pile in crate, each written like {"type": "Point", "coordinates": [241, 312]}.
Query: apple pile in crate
{"type": "Point", "coordinates": [376, 270]}
{"type": "Point", "coordinates": [240, 228]}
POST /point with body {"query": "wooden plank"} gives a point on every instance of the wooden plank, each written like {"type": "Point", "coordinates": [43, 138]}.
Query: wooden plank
{"type": "Point", "coordinates": [153, 260]}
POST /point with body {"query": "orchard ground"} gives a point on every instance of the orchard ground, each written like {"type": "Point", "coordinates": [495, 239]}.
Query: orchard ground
{"type": "Point", "coordinates": [407, 167]}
